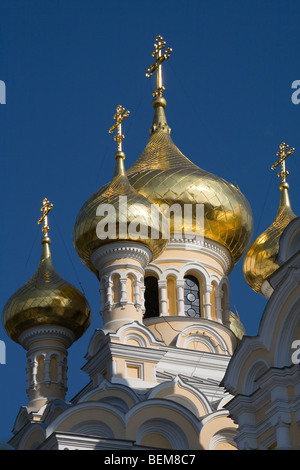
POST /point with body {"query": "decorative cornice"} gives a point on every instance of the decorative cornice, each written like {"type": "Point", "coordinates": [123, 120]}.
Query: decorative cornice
{"type": "Point", "coordinates": [47, 332]}
{"type": "Point", "coordinates": [206, 246]}
{"type": "Point", "coordinates": [121, 250]}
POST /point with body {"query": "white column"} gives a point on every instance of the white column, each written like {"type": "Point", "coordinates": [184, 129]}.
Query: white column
{"type": "Point", "coordinates": [142, 287]}
{"type": "Point", "coordinates": [162, 286]}
{"type": "Point", "coordinates": [34, 372]}
{"type": "Point", "coordinates": [280, 417]}
{"type": "Point", "coordinates": [123, 298]}
{"type": "Point", "coordinates": [180, 296]}
{"type": "Point", "coordinates": [245, 418]}
{"type": "Point", "coordinates": [207, 302]}
{"type": "Point", "coordinates": [283, 435]}
{"type": "Point", "coordinates": [108, 286]}
{"type": "Point", "coordinates": [137, 302]}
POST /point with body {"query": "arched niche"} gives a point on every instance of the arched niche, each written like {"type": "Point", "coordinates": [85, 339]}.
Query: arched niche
{"type": "Point", "coordinates": [130, 282]}
{"type": "Point", "coordinates": [116, 288]}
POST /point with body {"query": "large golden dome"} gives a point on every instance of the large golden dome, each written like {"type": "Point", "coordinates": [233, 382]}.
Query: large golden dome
{"type": "Point", "coordinates": [164, 175]}
{"type": "Point", "coordinates": [46, 299]}
{"type": "Point", "coordinates": [260, 261]}
{"type": "Point", "coordinates": [85, 237]}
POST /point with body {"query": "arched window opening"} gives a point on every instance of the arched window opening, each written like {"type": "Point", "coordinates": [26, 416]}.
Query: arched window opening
{"type": "Point", "coordinates": [53, 369]}
{"type": "Point", "coordinates": [151, 297]}
{"type": "Point", "coordinates": [213, 302]}
{"type": "Point", "coordinates": [191, 296]}
{"type": "Point", "coordinates": [116, 288]}
{"type": "Point", "coordinates": [130, 288]}
{"type": "Point", "coordinates": [40, 369]}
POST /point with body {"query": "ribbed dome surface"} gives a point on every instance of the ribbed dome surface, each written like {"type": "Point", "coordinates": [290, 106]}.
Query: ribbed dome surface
{"type": "Point", "coordinates": [164, 175]}
{"type": "Point", "coordinates": [46, 299]}
{"type": "Point", "coordinates": [85, 237]}
{"type": "Point", "coordinates": [260, 260]}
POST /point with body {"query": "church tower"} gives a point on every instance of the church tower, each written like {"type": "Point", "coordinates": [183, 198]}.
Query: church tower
{"type": "Point", "coordinates": [113, 236]}
{"type": "Point", "coordinates": [263, 375]}
{"type": "Point", "coordinates": [162, 238]}
{"type": "Point", "coordinates": [46, 316]}
{"type": "Point", "coordinates": [210, 225]}
{"type": "Point", "coordinates": [261, 259]}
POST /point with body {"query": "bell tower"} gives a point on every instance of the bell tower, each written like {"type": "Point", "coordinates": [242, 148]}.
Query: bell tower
{"type": "Point", "coordinates": [46, 316]}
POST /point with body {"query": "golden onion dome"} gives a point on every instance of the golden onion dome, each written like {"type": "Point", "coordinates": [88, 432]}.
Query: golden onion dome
{"type": "Point", "coordinates": [46, 299]}
{"type": "Point", "coordinates": [165, 176]}
{"type": "Point", "coordinates": [129, 218]}
{"type": "Point", "coordinates": [260, 261]}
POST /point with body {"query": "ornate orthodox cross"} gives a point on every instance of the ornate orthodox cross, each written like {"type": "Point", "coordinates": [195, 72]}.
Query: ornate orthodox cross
{"type": "Point", "coordinates": [119, 137]}
{"type": "Point", "coordinates": [283, 153]}
{"type": "Point", "coordinates": [160, 56]}
{"type": "Point", "coordinates": [46, 207]}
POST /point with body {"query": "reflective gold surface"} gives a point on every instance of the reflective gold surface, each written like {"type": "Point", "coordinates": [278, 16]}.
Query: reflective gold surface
{"type": "Point", "coordinates": [120, 115]}
{"type": "Point", "coordinates": [46, 207]}
{"type": "Point", "coordinates": [160, 56]}
{"type": "Point", "coordinates": [46, 299]}
{"type": "Point", "coordinates": [260, 260]}
{"type": "Point", "coordinates": [236, 326]}
{"type": "Point", "coordinates": [164, 175]}
{"type": "Point", "coordinates": [85, 238]}
{"type": "Point", "coordinates": [283, 153]}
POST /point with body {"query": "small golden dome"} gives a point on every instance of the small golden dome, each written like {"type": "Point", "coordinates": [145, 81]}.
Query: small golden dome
{"type": "Point", "coordinates": [260, 260]}
{"type": "Point", "coordinates": [236, 326]}
{"type": "Point", "coordinates": [46, 299]}
{"type": "Point", "coordinates": [164, 175]}
{"type": "Point", "coordinates": [139, 212]}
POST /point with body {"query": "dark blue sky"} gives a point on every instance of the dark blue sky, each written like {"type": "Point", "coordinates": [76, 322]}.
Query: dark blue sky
{"type": "Point", "coordinates": [68, 64]}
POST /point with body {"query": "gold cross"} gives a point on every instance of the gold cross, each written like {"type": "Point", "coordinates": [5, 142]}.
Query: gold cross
{"type": "Point", "coordinates": [160, 56]}
{"type": "Point", "coordinates": [46, 207]}
{"type": "Point", "coordinates": [283, 153]}
{"type": "Point", "coordinates": [119, 137]}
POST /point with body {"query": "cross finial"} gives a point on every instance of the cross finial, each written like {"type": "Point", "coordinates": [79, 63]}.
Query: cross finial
{"type": "Point", "coordinates": [283, 153]}
{"type": "Point", "coordinates": [160, 56]}
{"type": "Point", "coordinates": [46, 207]}
{"type": "Point", "coordinates": [119, 137]}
